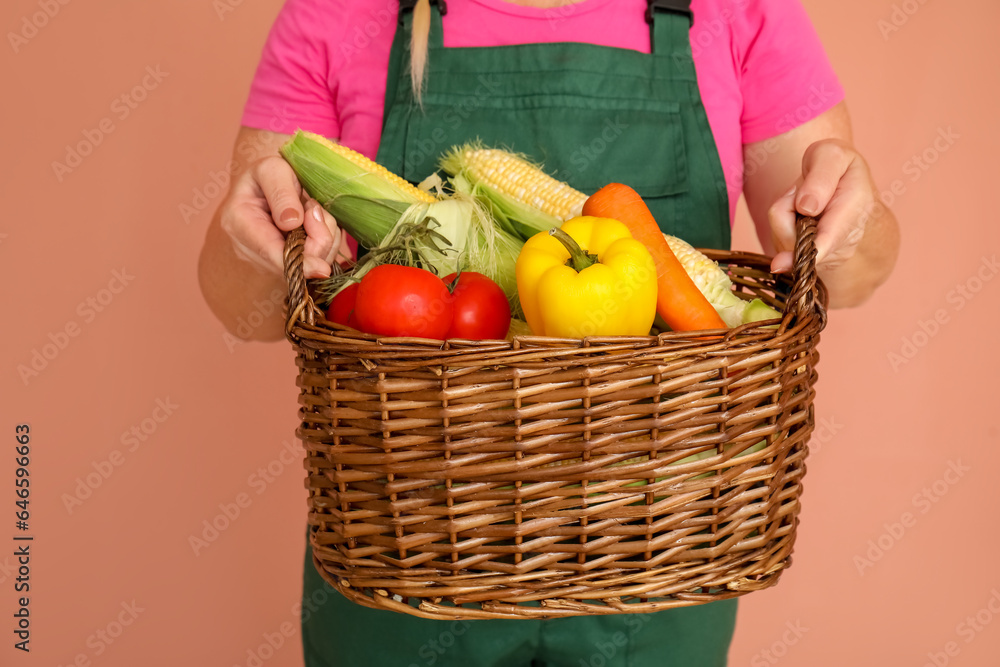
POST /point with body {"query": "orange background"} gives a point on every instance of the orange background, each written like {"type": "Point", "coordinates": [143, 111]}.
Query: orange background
{"type": "Point", "coordinates": [889, 428]}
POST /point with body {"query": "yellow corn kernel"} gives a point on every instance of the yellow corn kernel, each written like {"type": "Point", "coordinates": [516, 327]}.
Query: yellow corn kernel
{"type": "Point", "coordinates": [715, 284]}
{"type": "Point", "coordinates": [523, 181]}
{"type": "Point", "coordinates": [705, 273]}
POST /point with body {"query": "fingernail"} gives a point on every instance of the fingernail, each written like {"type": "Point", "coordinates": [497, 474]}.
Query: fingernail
{"type": "Point", "coordinates": [324, 269]}
{"type": "Point", "coordinates": [318, 214]}
{"type": "Point", "coordinates": [319, 274]}
{"type": "Point", "coordinates": [782, 263]}
{"type": "Point", "coordinates": [289, 217]}
{"type": "Point", "coordinates": [809, 205]}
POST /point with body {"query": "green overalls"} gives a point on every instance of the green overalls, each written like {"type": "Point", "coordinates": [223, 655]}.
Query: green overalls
{"type": "Point", "coordinates": [591, 115]}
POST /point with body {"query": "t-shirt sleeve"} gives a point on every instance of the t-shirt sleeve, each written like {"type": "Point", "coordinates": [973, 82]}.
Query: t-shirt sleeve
{"type": "Point", "coordinates": [292, 87]}
{"type": "Point", "coordinates": [786, 76]}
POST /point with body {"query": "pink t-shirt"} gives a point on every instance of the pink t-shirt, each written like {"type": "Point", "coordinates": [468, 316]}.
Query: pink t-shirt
{"type": "Point", "coordinates": [761, 68]}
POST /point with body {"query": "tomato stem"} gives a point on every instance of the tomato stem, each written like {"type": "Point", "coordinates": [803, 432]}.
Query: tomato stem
{"type": "Point", "coordinates": [453, 285]}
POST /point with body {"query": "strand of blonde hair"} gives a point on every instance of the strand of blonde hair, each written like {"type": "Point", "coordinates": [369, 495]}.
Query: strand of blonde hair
{"type": "Point", "coordinates": [419, 36]}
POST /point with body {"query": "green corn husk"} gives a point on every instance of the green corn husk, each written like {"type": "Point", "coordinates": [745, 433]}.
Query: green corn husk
{"type": "Point", "coordinates": [476, 244]}
{"type": "Point", "coordinates": [518, 327]}
{"type": "Point", "coordinates": [414, 241]}
{"type": "Point", "coordinates": [365, 201]}
{"type": "Point", "coordinates": [327, 169]}
{"type": "Point", "coordinates": [758, 311]}
{"type": "Point", "coordinates": [513, 215]}
{"type": "Point", "coordinates": [401, 224]}
{"type": "Point", "coordinates": [444, 237]}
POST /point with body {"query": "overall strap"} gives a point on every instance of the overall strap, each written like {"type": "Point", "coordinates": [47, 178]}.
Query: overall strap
{"type": "Point", "coordinates": [670, 22]}
{"type": "Point", "coordinates": [659, 14]}
{"type": "Point", "coordinates": [682, 7]}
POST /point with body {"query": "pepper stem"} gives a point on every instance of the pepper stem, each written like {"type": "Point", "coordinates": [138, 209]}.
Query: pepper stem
{"type": "Point", "coordinates": [579, 259]}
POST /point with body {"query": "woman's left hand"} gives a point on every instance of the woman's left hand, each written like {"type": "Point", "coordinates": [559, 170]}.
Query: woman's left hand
{"type": "Point", "coordinates": [837, 187]}
{"type": "Point", "coordinates": [858, 238]}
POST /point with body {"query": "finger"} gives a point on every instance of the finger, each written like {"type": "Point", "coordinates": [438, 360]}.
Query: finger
{"type": "Point", "coordinates": [782, 262]}
{"type": "Point", "coordinates": [842, 227]}
{"type": "Point", "coordinates": [314, 268]}
{"type": "Point", "coordinates": [257, 240]}
{"type": "Point", "coordinates": [322, 234]}
{"type": "Point", "coordinates": [254, 236]}
{"type": "Point", "coordinates": [781, 218]}
{"type": "Point", "coordinates": [824, 164]}
{"type": "Point", "coordinates": [344, 254]}
{"type": "Point", "coordinates": [315, 253]}
{"type": "Point", "coordinates": [282, 191]}
{"type": "Point", "coordinates": [851, 203]}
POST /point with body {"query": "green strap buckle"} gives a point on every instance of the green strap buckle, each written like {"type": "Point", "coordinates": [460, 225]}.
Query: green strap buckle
{"type": "Point", "coordinates": [673, 6]}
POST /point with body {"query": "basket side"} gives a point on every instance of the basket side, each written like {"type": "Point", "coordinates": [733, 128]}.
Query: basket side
{"type": "Point", "coordinates": [545, 477]}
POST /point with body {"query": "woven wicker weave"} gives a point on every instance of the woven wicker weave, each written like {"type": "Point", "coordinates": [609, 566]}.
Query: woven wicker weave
{"type": "Point", "coordinates": [550, 477]}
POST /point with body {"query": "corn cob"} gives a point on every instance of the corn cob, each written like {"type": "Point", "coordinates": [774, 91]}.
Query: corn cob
{"type": "Point", "coordinates": [356, 166]}
{"type": "Point", "coordinates": [524, 198]}
{"type": "Point", "coordinates": [366, 199]}
{"type": "Point", "coordinates": [715, 284]}
{"type": "Point", "coordinates": [518, 178]}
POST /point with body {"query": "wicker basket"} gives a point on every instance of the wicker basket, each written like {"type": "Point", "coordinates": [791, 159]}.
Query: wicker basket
{"type": "Point", "coordinates": [549, 477]}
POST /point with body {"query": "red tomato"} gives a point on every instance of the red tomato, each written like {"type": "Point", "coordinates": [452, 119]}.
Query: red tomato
{"type": "Point", "coordinates": [403, 301]}
{"type": "Point", "coordinates": [341, 309]}
{"type": "Point", "coordinates": [482, 311]}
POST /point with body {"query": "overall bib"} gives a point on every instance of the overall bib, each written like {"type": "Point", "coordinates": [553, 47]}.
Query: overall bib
{"type": "Point", "coordinates": [591, 115]}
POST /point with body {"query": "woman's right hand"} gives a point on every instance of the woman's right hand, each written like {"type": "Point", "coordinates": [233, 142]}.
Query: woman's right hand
{"type": "Point", "coordinates": [241, 266]}
{"type": "Point", "coordinates": [265, 202]}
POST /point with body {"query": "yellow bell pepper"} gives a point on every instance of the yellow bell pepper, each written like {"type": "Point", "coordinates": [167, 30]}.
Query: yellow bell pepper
{"type": "Point", "coordinates": [587, 278]}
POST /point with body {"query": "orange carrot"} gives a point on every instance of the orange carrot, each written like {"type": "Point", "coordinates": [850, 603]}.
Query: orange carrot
{"type": "Point", "coordinates": [678, 300]}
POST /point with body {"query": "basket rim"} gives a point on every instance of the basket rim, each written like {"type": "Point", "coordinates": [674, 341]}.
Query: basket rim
{"type": "Point", "coordinates": [805, 307]}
